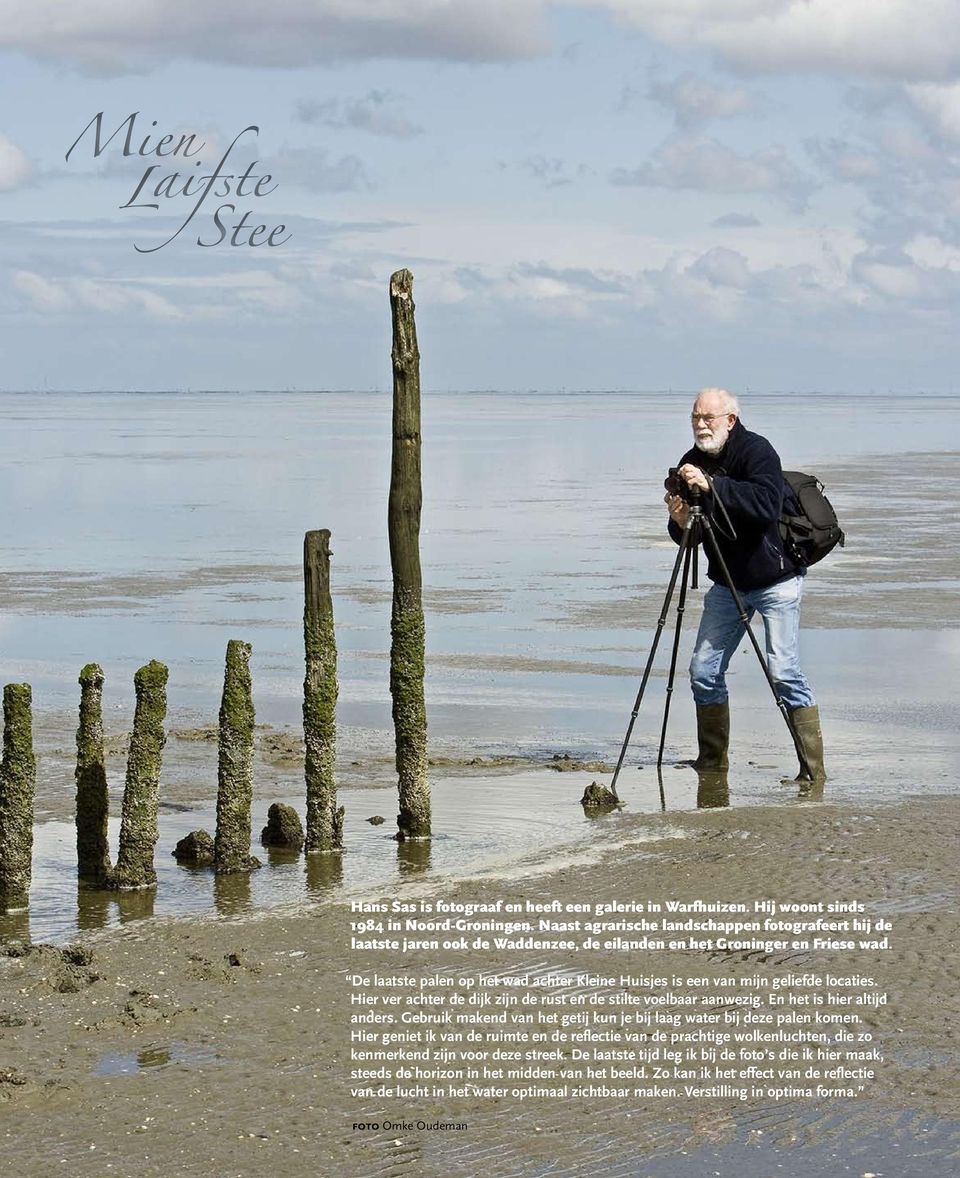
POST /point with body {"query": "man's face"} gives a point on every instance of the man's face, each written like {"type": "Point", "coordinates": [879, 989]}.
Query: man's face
{"type": "Point", "coordinates": [711, 423]}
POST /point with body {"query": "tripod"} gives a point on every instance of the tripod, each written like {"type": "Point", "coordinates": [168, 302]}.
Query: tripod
{"type": "Point", "coordinates": [698, 527]}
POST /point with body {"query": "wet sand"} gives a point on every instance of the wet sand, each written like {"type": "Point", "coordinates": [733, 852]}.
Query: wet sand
{"type": "Point", "coordinates": [168, 1043]}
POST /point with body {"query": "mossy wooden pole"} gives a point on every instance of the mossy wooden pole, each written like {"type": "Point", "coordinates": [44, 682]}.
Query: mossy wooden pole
{"type": "Point", "coordinates": [93, 847]}
{"type": "Point", "coordinates": [406, 622]}
{"type": "Point", "coordinates": [141, 794]}
{"type": "Point", "coordinates": [324, 820]}
{"type": "Point", "coordinates": [231, 845]}
{"type": "Point", "coordinates": [18, 777]}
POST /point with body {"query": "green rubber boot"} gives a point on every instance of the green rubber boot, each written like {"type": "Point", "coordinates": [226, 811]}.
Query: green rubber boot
{"type": "Point", "coordinates": [806, 725]}
{"type": "Point", "coordinates": [713, 737]}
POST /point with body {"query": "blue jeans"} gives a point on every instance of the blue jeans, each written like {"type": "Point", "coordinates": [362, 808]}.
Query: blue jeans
{"type": "Point", "coordinates": [721, 631]}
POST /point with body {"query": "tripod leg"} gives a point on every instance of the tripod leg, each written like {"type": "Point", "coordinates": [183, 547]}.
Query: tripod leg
{"type": "Point", "coordinates": [709, 539]}
{"type": "Point", "coordinates": [685, 543]}
{"type": "Point", "coordinates": [681, 603]}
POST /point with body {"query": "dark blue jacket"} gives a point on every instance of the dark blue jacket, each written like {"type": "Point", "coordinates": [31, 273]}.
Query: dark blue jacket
{"type": "Point", "coordinates": [748, 479]}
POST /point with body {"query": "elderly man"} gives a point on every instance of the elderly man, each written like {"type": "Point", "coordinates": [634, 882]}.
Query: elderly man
{"type": "Point", "coordinates": [742, 470]}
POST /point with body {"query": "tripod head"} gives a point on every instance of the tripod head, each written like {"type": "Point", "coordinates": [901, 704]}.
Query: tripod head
{"type": "Point", "coordinates": [676, 485]}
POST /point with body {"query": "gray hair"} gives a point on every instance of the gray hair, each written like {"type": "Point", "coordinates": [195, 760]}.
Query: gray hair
{"type": "Point", "coordinates": [731, 404]}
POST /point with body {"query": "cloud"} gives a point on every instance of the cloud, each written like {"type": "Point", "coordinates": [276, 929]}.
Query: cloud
{"type": "Point", "coordinates": [15, 168]}
{"type": "Point", "coordinates": [938, 107]}
{"type": "Point", "coordinates": [695, 100]}
{"type": "Point", "coordinates": [690, 287]}
{"type": "Point", "coordinates": [580, 278]}
{"type": "Point", "coordinates": [376, 112]}
{"type": "Point", "coordinates": [701, 164]}
{"type": "Point", "coordinates": [847, 163]}
{"type": "Point", "coordinates": [552, 172]}
{"type": "Point", "coordinates": [871, 38]}
{"type": "Point", "coordinates": [120, 36]}
{"type": "Point", "coordinates": [722, 267]}
{"type": "Point", "coordinates": [903, 157]}
{"type": "Point", "coordinates": [74, 272]}
{"type": "Point", "coordinates": [896, 278]}
{"type": "Point", "coordinates": [44, 295]}
{"type": "Point", "coordinates": [540, 291]}
{"type": "Point", "coordinates": [735, 221]}
{"type": "Point", "coordinates": [107, 297]}
{"type": "Point", "coordinates": [317, 170]}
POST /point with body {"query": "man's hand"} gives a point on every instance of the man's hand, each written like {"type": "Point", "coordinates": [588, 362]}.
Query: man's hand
{"type": "Point", "coordinates": [678, 507]}
{"type": "Point", "coordinates": [693, 476]}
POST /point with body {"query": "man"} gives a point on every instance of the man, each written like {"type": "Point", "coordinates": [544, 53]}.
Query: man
{"type": "Point", "coordinates": [742, 470]}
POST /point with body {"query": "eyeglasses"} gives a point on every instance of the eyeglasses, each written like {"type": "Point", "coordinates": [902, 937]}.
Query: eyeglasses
{"type": "Point", "coordinates": [706, 418]}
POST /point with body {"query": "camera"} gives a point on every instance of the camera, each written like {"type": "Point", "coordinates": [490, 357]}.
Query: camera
{"type": "Point", "coordinates": [677, 486]}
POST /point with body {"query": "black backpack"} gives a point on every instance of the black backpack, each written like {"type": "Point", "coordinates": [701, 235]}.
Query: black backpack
{"type": "Point", "coordinates": [808, 524]}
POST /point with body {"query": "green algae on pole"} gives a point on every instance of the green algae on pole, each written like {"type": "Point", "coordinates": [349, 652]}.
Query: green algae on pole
{"type": "Point", "coordinates": [407, 629]}
{"type": "Point", "coordinates": [141, 794]}
{"type": "Point", "coordinates": [235, 765]}
{"type": "Point", "coordinates": [324, 820]}
{"type": "Point", "coordinates": [18, 777]}
{"type": "Point", "coordinates": [93, 847]}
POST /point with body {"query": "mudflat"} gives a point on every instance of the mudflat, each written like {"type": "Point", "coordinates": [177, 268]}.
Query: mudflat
{"type": "Point", "coordinates": [222, 1045]}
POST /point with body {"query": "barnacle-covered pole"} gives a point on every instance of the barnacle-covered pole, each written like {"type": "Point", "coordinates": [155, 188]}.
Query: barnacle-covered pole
{"type": "Point", "coordinates": [231, 845]}
{"type": "Point", "coordinates": [406, 623]}
{"type": "Point", "coordinates": [18, 777]}
{"type": "Point", "coordinates": [324, 820]}
{"type": "Point", "coordinates": [93, 847]}
{"type": "Point", "coordinates": [141, 794]}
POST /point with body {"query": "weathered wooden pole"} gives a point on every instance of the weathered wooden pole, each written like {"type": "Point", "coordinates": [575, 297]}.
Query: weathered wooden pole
{"type": "Point", "coordinates": [139, 829]}
{"type": "Point", "coordinates": [231, 844]}
{"type": "Point", "coordinates": [93, 847]}
{"type": "Point", "coordinates": [324, 820]}
{"type": "Point", "coordinates": [406, 622]}
{"type": "Point", "coordinates": [18, 777]}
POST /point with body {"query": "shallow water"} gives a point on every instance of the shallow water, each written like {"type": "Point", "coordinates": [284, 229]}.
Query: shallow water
{"type": "Point", "coordinates": [483, 826]}
{"type": "Point", "coordinates": [160, 525]}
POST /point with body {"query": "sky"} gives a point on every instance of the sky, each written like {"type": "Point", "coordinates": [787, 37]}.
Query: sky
{"type": "Point", "coordinates": [591, 194]}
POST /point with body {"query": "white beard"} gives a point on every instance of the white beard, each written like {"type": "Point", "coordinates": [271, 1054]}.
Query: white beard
{"type": "Point", "coordinates": [713, 444]}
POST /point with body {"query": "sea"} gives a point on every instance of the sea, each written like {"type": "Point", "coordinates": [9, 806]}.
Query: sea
{"type": "Point", "coordinates": [142, 526]}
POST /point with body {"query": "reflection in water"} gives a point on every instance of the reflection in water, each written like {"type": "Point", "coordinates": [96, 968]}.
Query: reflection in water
{"type": "Point", "coordinates": [413, 856]}
{"type": "Point", "coordinates": [481, 823]}
{"type": "Point", "coordinates": [594, 813]}
{"type": "Point", "coordinates": [324, 871]}
{"type": "Point", "coordinates": [93, 907]}
{"type": "Point", "coordinates": [663, 793]}
{"type": "Point", "coordinates": [811, 791]}
{"type": "Point", "coordinates": [15, 926]}
{"type": "Point", "coordinates": [713, 790]}
{"type": "Point", "coordinates": [153, 1057]}
{"type": "Point", "coordinates": [231, 893]}
{"type": "Point", "coordinates": [135, 904]}
{"type": "Point", "coordinates": [278, 856]}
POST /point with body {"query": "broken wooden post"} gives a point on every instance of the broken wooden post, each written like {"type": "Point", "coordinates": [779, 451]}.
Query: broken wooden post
{"type": "Point", "coordinates": [18, 776]}
{"type": "Point", "coordinates": [324, 820]}
{"type": "Point", "coordinates": [93, 847]}
{"type": "Point", "coordinates": [139, 828]}
{"type": "Point", "coordinates": [231, 844]}
{"type": "Point", "coordinates": [284, 829]}
{"type": "Point", "coordinates": [406, 621]}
